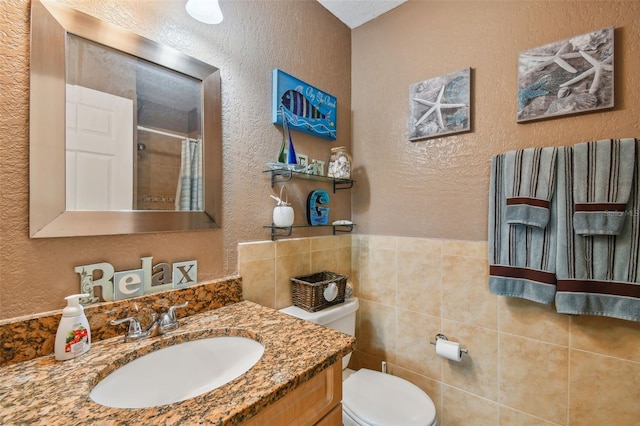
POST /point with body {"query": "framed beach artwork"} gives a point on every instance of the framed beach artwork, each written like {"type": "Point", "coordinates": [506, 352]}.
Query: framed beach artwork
{"type": "Point", "coordinates": [440, 106]}
{"type": "Point", "coordinates": [306, 108]}
{"type": "Point", "coordinates": [569, 76]}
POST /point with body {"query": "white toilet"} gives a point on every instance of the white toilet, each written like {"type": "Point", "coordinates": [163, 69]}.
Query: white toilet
{"type": "Point", "coordinates": [371, 398]}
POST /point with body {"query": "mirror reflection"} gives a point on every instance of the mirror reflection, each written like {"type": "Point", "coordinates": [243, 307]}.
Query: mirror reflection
{"type": "Point", "coordinates": [133, 132]}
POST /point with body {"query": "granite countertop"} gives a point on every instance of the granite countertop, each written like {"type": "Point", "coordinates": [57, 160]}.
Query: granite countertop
{"type": "Point", "coordinates": [46, 391]}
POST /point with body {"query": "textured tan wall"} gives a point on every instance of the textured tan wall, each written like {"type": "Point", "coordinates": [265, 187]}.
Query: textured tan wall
{"type": "Point", "coordinates": [300, 37]}
{"type": "Point", "coordinates": [439, 187]}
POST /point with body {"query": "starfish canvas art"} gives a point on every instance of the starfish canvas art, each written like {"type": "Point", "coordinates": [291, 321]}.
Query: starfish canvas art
{"type": "Point", "coordinates": [440, 106]}
{"type": "Point", "coordinates": [566, 77]}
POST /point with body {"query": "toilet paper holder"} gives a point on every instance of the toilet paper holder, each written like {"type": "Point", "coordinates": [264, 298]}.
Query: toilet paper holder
{"type": "Point", "coordinates": [443, 337]}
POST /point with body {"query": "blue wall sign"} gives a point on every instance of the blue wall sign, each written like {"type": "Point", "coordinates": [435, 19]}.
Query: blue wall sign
{"type": "Point", "coordinates": [305, 107]}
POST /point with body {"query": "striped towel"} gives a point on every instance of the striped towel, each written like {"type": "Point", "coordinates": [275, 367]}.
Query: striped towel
{"type": "Point", "coordinates": [601, 185]}
{"type": "Point", "coordinates": [531, 176]}
{"type": "Point", "coordinates": [597, 274]}
{"type": "Point", "coordinates": [521, 258]}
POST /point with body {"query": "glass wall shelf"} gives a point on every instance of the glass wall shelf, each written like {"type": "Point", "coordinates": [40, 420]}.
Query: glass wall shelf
{"type": "Point", "coordinates": [284, 175]}
{"type": "Point", "coordinates": [285, 231]}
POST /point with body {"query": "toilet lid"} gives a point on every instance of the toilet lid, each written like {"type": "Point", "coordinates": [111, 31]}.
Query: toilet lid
{"type": "Point", "coordinates": [379, 399]}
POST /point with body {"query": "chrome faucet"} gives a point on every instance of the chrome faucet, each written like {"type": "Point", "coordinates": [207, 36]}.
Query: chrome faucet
{"type": "Point", "coordinates": [160, 325]}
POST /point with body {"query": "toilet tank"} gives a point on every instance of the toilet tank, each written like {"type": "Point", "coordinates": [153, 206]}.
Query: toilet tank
{"type": "Point", "coordinates": [341, 317]}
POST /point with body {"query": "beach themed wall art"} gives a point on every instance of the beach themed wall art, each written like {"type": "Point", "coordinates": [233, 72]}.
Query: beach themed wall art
{"type": "Point", "coordinates": [305, 107]}
{"type": "Point", "coordinates": [440, 106]}
{"type": "Point", "coordinates": [569, 76]}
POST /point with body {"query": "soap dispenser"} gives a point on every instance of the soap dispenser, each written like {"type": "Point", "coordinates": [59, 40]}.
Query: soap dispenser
{"type": "Point", "coordinates": [74, 336]}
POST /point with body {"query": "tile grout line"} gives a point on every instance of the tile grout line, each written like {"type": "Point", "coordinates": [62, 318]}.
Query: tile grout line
{"type": "Point", "coordinates": [395, 307]}
{"type": "Point", "coordinates": [441, 282]}
{"type": "Point", "coordinates": [569, 351]}
{"type": "Point", "coordinates": [275, 275]}
{"type": "Point", "coordinates": [499, 368]}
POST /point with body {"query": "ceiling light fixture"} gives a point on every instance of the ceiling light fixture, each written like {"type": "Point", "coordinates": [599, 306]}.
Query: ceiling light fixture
{"type": "Point", "coordinates": [207, 11]}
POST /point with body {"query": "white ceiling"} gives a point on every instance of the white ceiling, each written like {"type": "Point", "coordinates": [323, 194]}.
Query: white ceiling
{"type": "Point", "coordinates": [356, 12]}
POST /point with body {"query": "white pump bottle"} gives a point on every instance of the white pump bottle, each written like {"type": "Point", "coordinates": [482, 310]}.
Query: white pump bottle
{"type": "Point", "coordinates": [74, 336]}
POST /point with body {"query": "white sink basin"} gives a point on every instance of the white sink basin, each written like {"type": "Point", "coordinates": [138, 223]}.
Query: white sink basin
{"type": "Point", "coordinates": [177, 373]}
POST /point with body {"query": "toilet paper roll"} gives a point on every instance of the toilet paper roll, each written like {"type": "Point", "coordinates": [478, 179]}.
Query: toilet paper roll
{"type": "Point", "coordinates": [448, 350]}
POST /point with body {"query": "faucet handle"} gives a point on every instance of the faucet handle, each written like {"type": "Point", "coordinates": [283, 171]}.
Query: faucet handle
{"type": "Point", "coordinates": [171, 311]}
{"type": "Point", "coordinates": [135, 329]}
{"type": "Point", "coordinates": [168, 320]}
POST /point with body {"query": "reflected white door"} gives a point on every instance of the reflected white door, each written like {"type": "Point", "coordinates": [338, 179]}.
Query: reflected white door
{"type": "Point", "coordinates": [99, 150]}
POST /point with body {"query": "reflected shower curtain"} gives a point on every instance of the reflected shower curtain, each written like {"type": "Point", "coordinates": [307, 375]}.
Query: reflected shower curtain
{"type": "Point", "coordinates": [189, 191]}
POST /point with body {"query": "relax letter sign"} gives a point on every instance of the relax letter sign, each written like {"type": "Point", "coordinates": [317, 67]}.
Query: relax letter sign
{"type": "Point", "coordinates": [136, 282]}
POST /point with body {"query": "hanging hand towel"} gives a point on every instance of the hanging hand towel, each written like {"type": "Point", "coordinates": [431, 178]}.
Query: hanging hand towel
{"type": "Point", "coordinates": [601, 185]}
{"type": "Point", "coordinates": [521, 258]}
{"type": "Point", "coordinates": [530, 177]}
{"type": "Point", "coordinates": [597, 274]}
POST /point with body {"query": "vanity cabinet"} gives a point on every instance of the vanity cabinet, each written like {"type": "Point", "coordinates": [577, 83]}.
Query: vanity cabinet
{"type": "Point", "coordinates": [315, 402]}
{"type": "Point", "coordinates": [285, 175]}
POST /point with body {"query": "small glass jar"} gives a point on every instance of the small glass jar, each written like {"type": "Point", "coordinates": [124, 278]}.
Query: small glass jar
{"type": "Point", "coordinates": [339, 163]}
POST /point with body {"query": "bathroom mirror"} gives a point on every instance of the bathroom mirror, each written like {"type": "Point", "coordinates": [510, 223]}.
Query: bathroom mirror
{"type": "Point", "coordinates": [125, 134]}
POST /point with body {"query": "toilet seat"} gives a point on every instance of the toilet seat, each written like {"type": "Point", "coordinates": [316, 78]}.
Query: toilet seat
{"type": "Point", "coordinates": [372, 398]}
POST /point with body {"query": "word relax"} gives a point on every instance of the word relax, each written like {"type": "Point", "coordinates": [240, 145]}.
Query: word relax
{"type": "Point", "coordinates": [136, 282]}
